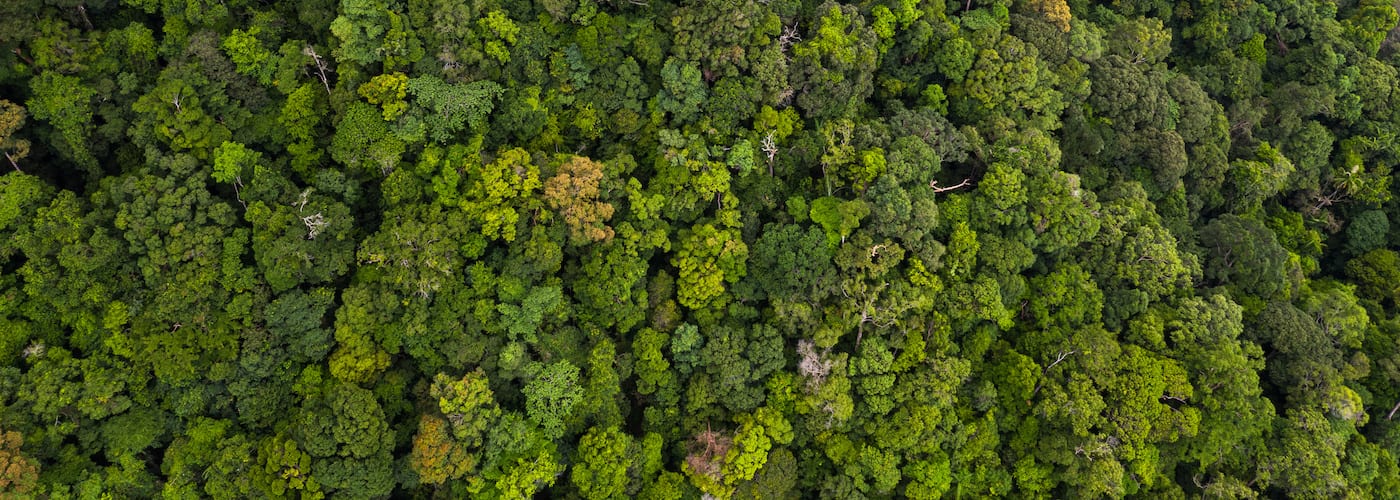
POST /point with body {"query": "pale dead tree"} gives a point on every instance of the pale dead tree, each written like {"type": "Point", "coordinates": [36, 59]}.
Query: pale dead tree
{"type": "Point", "coordinates": [813, 365]}
{"type": "Point", "coordinates": [176, 101]}
{"type": "Point", "coordinates": [934, 184]}
{"type": "Point", "coordinates": [1322, 200]}
{"type": "Point", "coordinates": [16, 165]}
{"type": "Point", "coordinates": [1093, 450]}
{"type": "Point", "coordinates": [788, 38]}
{"type": "Point", "coordinates": [868, 309]}
{"type": "Point", "coordinates": [36, 349]}
{"type": "Point", "coordinates": [1393, 409]}
{"type": "Point", "coordinates": [314, 225]}
{"type": "Point", "coordinates": [301, 202]}
{"type": "Point", "coordinates": [82, 11]}
{"type": "Point", "coordinates": [769, 146]}
{"type": "Point", "coordinates": [238, 191]}
{"type": "Point", "coordinates": [708, 451]}
{"type": "Point", "coordinates": [785, 96]}
{"type": "Point", "coordinates": [310, 51]}
{"type": "Point", "coordinates": [1059, 357]}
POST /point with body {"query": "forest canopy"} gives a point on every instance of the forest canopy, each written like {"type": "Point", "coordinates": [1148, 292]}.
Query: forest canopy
{"type": "Point", "coordinates": [682, 249]}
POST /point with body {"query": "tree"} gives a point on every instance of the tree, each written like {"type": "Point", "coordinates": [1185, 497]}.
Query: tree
{"type": "Point", "coordinates": [1367, 231]}
{"type": "Point", "coordinates": [248, 53]}
{"type": "Point", "coordinates": [11, 120]}
{"type": "Point", "coordinates": [300, 117]}
{"type": "Point", "coordinates": [1377, 274]}
{"type": "Point", "coordinates": [492, 195]}
{"type": "Point", "coordinates": [185, 111]}
{"type": "Point", "coordinates": [1055, 11]}
{"type": "Point", "coordinates": [362, 140]}
{"type": "Point", "coordinates": [346, 433]}
{"type": "Point", "coordinates": [707, 257]}
{"type": "Point", "coordinates": [601, 471]}
{"type": "Point", "coordinates": [370, 32]}
{"type": "Point", "coordinates": [551, 395]}
{"type": "Point", "coordinates": [468, 404]}
{"type": "Point", "coordinates": [792, 264]}
{"type": "Point", "coordinates": [18, 475]}
{"type": "Point", "coordinates": [387, 92]}
{"type": "Point", "coordinates": [839, 218]}
{"type": "Point", "coordinates": [283, 469]}
{"type": "Point", "coordinates": [573, 191]}
{"type": "Point", "coordinates": [436, 456]}
{"type": "Point", "coordinates": [1246, 254]}
{"type": "Point", "coordinates": [64, 102]}
{"type": "Point", "coordinates": [682, 90]}
{"type": "Point", "coordinates": [833, 68]}
{"type": "Point", "coordinates": [443, 109]}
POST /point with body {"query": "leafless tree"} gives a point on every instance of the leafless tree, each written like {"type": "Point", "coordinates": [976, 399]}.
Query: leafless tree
{"type": "Point", "coordinates": [707, 452]}
{"type": "Point", "coordinates": [770, 147]}
{"type": "Point", "coordinates": [813, 365]}
{"type": "Point", "coordinates": [1059, 357]}
{"type": "Point", "coordinates": [321, 66]}
{"type": "Point", "coordinates": [934, 184]}
{"type": "Point", "coordinates": [314, 225]}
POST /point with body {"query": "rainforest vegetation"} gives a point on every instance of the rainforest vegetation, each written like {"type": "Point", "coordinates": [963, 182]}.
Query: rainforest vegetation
{"type": "Point", "coordinates": [674, 249]}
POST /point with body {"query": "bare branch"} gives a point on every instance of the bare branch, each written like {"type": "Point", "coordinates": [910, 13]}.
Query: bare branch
{"type": "Point", "coordinates": [770, 147]}
{"type": "Point", "coordinates": [934, 184]}
{"type": "Point", "coordinates": [1059, 357]}
{"type": "Point", "coordinates": [320, 66]}
{"type": "Point", "coordinates": [314, 225]}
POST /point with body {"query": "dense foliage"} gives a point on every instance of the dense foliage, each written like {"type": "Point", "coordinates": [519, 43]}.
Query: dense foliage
{"type": "Point", "coordinates": [665, 248]}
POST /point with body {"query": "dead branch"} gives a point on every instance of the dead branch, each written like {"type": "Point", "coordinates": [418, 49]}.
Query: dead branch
{"type": "Point", "coordinates": [934, 184]}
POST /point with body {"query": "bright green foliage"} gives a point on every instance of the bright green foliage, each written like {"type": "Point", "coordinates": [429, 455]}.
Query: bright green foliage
{"type": "Point", "coordinates": [247, 52]}
{"type": "Point", "coordinates": [682, 90]}
{"type": "Point", "coordinates": [300, 118]}
{"type": "Point", "coordinates": [602, 471]}
{"type": "Point", "coordinates": [447, 108]}
{"type": "Point", "coordinates": [387, 92]}
{"type": "Point", "coordinates": [232, 161]}
{"type": "Point", "coordinates": [361, 25]}
{"type": "Point", "coordinates": [838, 218]}
{"type": "Point", "coordinates": [528, 476]}
{"type": "Point", "coordinates": [468, 405]}
{"type": "Point", "coordinates": [284, 471]}
{"type": "Point", "coordinates": [707, 258]}
{"type": "Point", "coordinates": [749, 453]}
{"type": "Point", "coordinates": [63, 101]}
{"type": "Point", "coordinates": [492, 191]}
{"type": "Point", "coordinates": [362, 141]}
{"type": "Point", "coordinates": [504, 31]}
{"type": "Point", "coordinates": [721, 249]}
{"type": "Point", "coordinates": [551, 395]}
